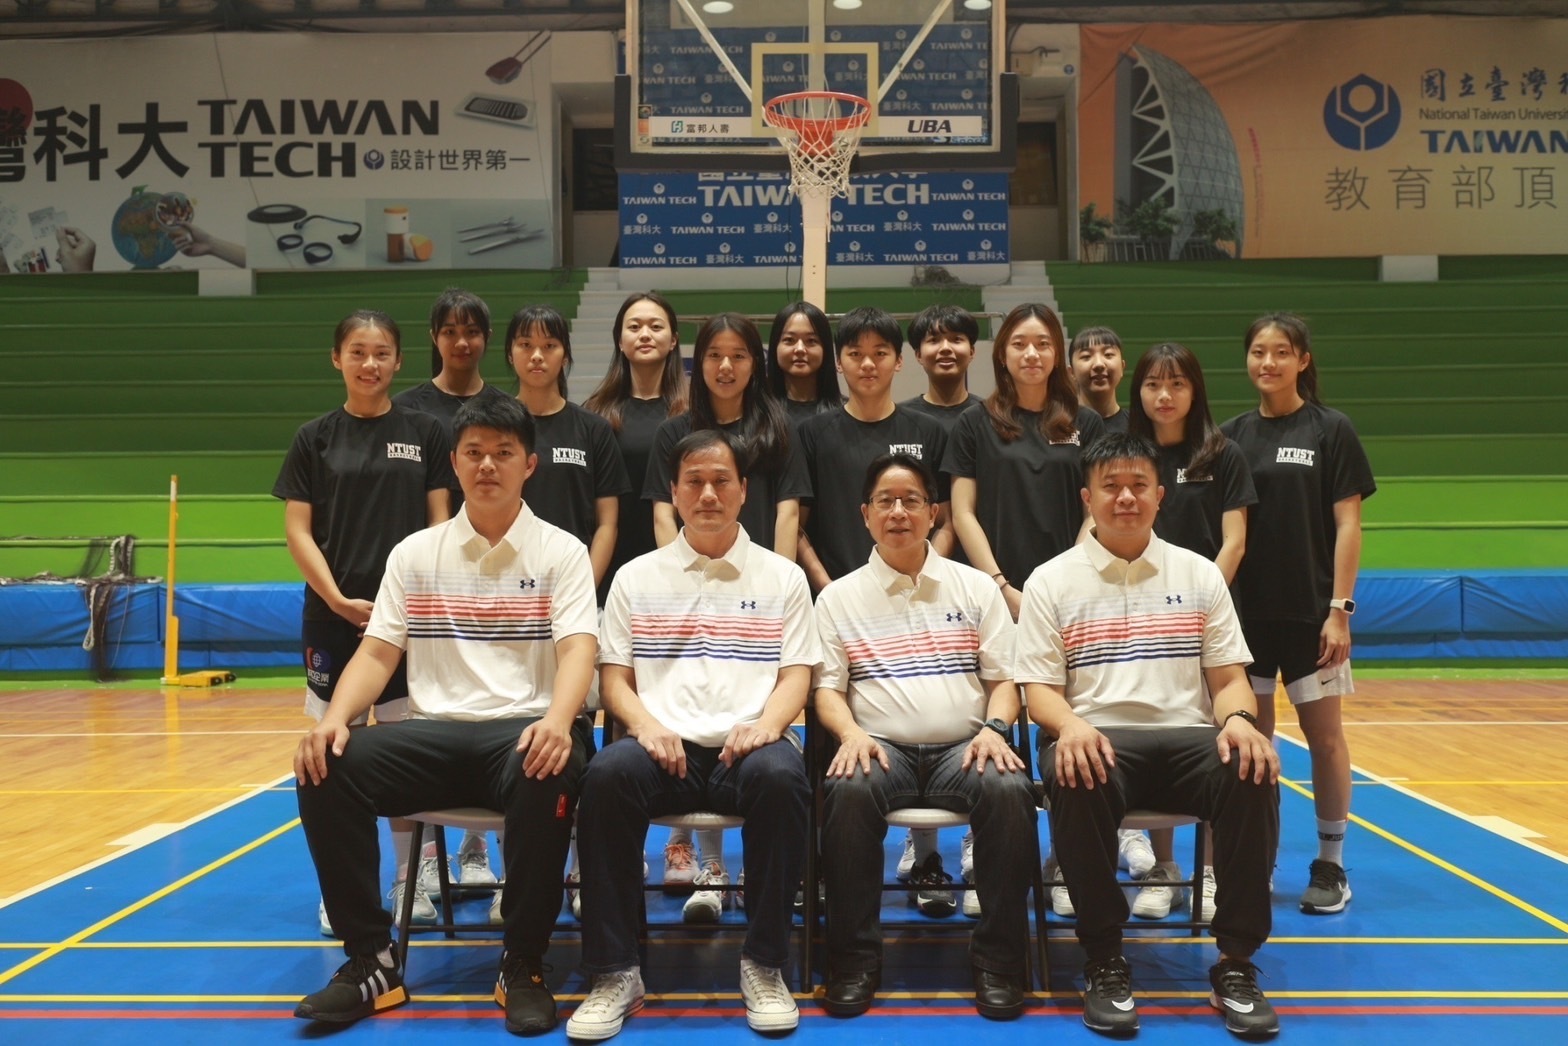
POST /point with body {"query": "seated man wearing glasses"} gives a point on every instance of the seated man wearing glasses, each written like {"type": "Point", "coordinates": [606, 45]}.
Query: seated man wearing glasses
{"type": "Point", "coordinates": [917, 687]}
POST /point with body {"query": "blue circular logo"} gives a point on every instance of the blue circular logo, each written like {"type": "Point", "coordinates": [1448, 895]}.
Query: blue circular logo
{"type": "Point", "coordinates": [1361, 113]}
{"type": "Point", "coordinates": [374, 160]}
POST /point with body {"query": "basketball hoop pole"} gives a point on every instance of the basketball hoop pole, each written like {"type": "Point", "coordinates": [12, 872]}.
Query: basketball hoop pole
{"type": "Point", "coordinates": [814, 210]}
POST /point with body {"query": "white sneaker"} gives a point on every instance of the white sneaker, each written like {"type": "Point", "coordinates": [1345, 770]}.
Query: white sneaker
{"type": "Point", "coordinates": [769, 1004]}
{"type": "Point", "coordinates": [573, 894]}
{"type": "Point", "coordinates": [321, 919]}
{"type": "Point", "coordinates": [906, 860]}
{"type": "Point", "coordinates": [705, 906]}
{"type": "Point", "coordinates": [966, 870]}
{"type": "Point", "coordinates": [680, 864]}
{"type": "Point", "coordinates": [1155, 900]}
{"type": "Point", "coordinates": [473, 862]}
{"type": "Point", "coordinates": [612, 998]}
{"type": "Point", "coordinates": [1134, 853]}
{"type": "Point", "coordinates": [1205, 911]}
{"type": "Point", "coordinates": [496, 919]}
{"type": "Point", "coordinates": [1061, 901]}
{"type": "Point", "coordinates": [429, 872]}
{"type": "Point", "coordinates": [424, 911]}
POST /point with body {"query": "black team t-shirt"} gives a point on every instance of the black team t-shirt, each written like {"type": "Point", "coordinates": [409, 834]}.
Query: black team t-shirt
{"type": "Point", "coordinates": [640, 421]}
{"type": "Point", "coordinates": [1301, 464]}
{"type": "Point", "coordinates": [1117, 422]}
{"type": "Point", "coordinates": [579, 463]}
{"type": "Point", "coordinates": [1192, 512]}
{"type": "Point", "coordinates": [764, 490]}
{"type": "Point", "coordinates": [1027, 496]}
{"type": "Point", "coordinates": [838, 447]}
{"type": "Point", "coordinates": [799, 412]}
{"type": "Point", "coordinates": [428, 399]}
{"type": "Point", "coordinates": [366, 481]}
{"type": "Point", "coordinates": [947, 417]}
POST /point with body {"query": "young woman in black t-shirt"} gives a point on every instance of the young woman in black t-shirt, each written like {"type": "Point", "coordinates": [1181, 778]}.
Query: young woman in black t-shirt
{"type": "Point", "coordinates": [354, 483]}
{"type": "Point", "coordinates": [1014, 460]}
{"type": "Point", "coordinates": [579, 479]}
{"type": "Point", "coordinates": [644, 386]}
{"type": "Point", "coordinates": [1207, 493]}
{"type": "Point", "coordinates": [1296, 586]}
{"type": "Point", "coordinates": [798, 345]}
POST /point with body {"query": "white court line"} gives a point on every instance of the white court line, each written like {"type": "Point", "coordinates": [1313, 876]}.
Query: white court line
{"type": "Point", "coordinates": [90, 865]}
{"type": "Point", "coordinates": [1478, 821]}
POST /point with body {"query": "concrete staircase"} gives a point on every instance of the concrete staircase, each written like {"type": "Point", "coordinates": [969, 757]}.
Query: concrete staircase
{"type": "Point", "coordinates": [1028, 283]}
{"type": "Point", "coordinates": [592, 344]}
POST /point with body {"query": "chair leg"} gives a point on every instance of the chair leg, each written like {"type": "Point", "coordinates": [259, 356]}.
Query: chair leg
{"type": "Point", "coordinates": [1041, 904]}
{"type": "Point", "coordinates": [448, 918]}
{"type": "Point", "coordinates": [405, 914]}
{"type": "Point", "coordinates": [1195, 905]}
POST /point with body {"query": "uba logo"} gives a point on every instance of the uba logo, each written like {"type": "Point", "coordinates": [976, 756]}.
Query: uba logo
{"type": "Point", "coordinates": [1361, 113]}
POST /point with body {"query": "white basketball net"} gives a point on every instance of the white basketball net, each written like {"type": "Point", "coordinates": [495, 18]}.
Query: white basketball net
{"type": "Point", "coordinates": [820, 132]}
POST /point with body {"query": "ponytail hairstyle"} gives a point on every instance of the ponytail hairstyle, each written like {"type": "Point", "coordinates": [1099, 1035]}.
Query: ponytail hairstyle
{"type": "Point", "coordinates": [1202, 438]}
{"type": "Point", "coordinates": [609, 399]}
{"type": "Point", "coordinates": [763, 433]}
{"type": "Point", "coordinates": [1059, 420]}
{"type": "Point", "coordinates": [1295, 329]}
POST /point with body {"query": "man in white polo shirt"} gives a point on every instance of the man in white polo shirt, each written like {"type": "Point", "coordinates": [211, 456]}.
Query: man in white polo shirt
{"type": "Point", "coordinates": [709, 647]}
{"type": "Point", "coordinates": [917, 686]}
{"type": "Point", "coordinates": [495, 611]}
{"type": "Point", "coordinates": [1122, 640]}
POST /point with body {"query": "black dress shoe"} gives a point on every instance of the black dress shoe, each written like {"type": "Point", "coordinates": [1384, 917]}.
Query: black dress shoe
{"type": "Point", "coordinates": [851, 994]}
{"type": "Point", "coordinates": [999, 996]}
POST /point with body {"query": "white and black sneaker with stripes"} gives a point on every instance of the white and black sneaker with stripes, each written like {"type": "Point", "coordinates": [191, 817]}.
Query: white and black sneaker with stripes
{"type": "Point", "coordinates": [364, 985]}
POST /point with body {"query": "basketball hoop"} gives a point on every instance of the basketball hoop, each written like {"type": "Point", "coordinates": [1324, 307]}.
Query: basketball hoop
{"type": "Point", "coordinates": [820, 131]}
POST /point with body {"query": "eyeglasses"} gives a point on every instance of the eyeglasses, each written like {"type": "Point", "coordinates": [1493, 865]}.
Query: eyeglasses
{"type": "Point", "coordinates": [911, 502]}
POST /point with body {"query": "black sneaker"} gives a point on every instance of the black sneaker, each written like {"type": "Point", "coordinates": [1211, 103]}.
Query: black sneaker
{"type": "Point", "coordinates": [521, 991]}
{"type": "Point", "coordinates": [1107, 997]}
{"type": "Point", "coordinates": [361, 986]}
{"type": "Point", "coordinates": [1328, 891]}
{"type": "Point", "coordinates": [930, 888]}
{"type": "Point", "coordinates": [1236, 995]}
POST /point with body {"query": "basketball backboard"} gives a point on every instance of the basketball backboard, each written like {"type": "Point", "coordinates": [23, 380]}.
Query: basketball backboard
{"type": "Point", "coordinates": [698, 73]}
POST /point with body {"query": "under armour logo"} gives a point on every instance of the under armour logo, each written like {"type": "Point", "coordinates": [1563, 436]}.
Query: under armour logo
{"type": "Point", "coordinates": [957, 616]}
{"type": "Point", "coordinates": [1172, 599]}
{"type": "Point", "coordinates": [527, 582]}
{"type": "Point", "coordinates": [748, 604]}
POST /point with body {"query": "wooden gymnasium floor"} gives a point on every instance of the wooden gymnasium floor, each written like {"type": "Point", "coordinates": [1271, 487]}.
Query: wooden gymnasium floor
{"type": "Point", "coordinates": [155, 887]}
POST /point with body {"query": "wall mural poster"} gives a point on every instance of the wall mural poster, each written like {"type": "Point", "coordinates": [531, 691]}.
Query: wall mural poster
{"type": "Point", "coordinates": [286, 151]}
{"type": "Point", "coordinates": [1360, 137]}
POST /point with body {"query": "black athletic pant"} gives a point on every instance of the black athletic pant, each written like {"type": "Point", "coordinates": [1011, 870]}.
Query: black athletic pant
{"type": "Point", "coordinates": [426, 764]}
{"type": "Point", "coordinates": [1172, 770]}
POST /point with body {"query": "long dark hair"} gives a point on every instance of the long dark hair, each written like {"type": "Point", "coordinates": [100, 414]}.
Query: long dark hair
{"type": "Point", "coordinates": [1200, 435]}
{"type": "Point", "coordinates": [1295, 329]}
{"type": "Point", "coordinates": [1059, 420]}
{"type": "Point", "coordinates": [455, 305]}
{"type": "Point", "coordinates": [828, 395]}
{"type": "Point", "coordinates": [763, 432]}
{"type": "Point", "coordinates": [609, 399]}
{"type": "Point", "coordinates": [548, 319]}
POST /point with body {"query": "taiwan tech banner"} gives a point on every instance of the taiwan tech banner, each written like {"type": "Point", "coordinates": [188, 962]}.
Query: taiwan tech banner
{"type": "Point", "coordinates": [1360, 137]}
{"type": "Point", "coordinates": [688, 220]}
{"type": "Point", "coordinates": [278, 151]}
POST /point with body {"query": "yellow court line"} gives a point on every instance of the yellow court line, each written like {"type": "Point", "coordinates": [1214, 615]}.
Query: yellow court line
{"type": "Point", "coordinates": [150, 899]}
{"type": "Point", "coordinates": [1476, 784]}
{"type": "Point", "coordinates": [126, 791]}
{"type": "Point", "coordinates": [1447, 866]}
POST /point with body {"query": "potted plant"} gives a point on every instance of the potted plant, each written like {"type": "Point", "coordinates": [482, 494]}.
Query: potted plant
{"type": "Point", "coordinates": [1093, 228]}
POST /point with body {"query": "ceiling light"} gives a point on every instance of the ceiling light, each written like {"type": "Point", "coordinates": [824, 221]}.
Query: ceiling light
{"type": "Point", "coordinates": [846, 5]}
{"type": "Point", "coordinates": [977, 5]}
{"type": "Point", "coordinates": [719, 7]}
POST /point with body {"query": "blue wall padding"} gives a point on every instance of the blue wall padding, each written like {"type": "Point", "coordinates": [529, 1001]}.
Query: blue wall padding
{"type": "Point", "coordinates": [1406, 604]}
{"type": "Point", "coordinates": [1516, 603]}
{"type": "Point", "coordinates": [1400, 615]}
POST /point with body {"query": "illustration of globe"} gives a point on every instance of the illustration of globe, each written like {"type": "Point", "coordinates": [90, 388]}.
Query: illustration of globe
{"type": "Point", "coordinates": [136, 232]}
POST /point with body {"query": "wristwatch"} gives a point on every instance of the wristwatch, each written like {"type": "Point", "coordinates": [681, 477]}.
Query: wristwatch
{"type": "Point", "coordinates": [1347, 605]}
{"type": "Point", "coordinates": [1000, 726]}
{"type": "Point", "coordinates": [1248, 716]}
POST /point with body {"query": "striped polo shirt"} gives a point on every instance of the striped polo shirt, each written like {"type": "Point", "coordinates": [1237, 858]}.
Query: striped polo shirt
{"type": "Point", "coordinates": [479, 624]}
{"type": "Point", "coordinates": [706, 637]}
{"type": "Point", "coordinates": [909, 654]}
{"type": "Point", "coordinates": [1129, 641]}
